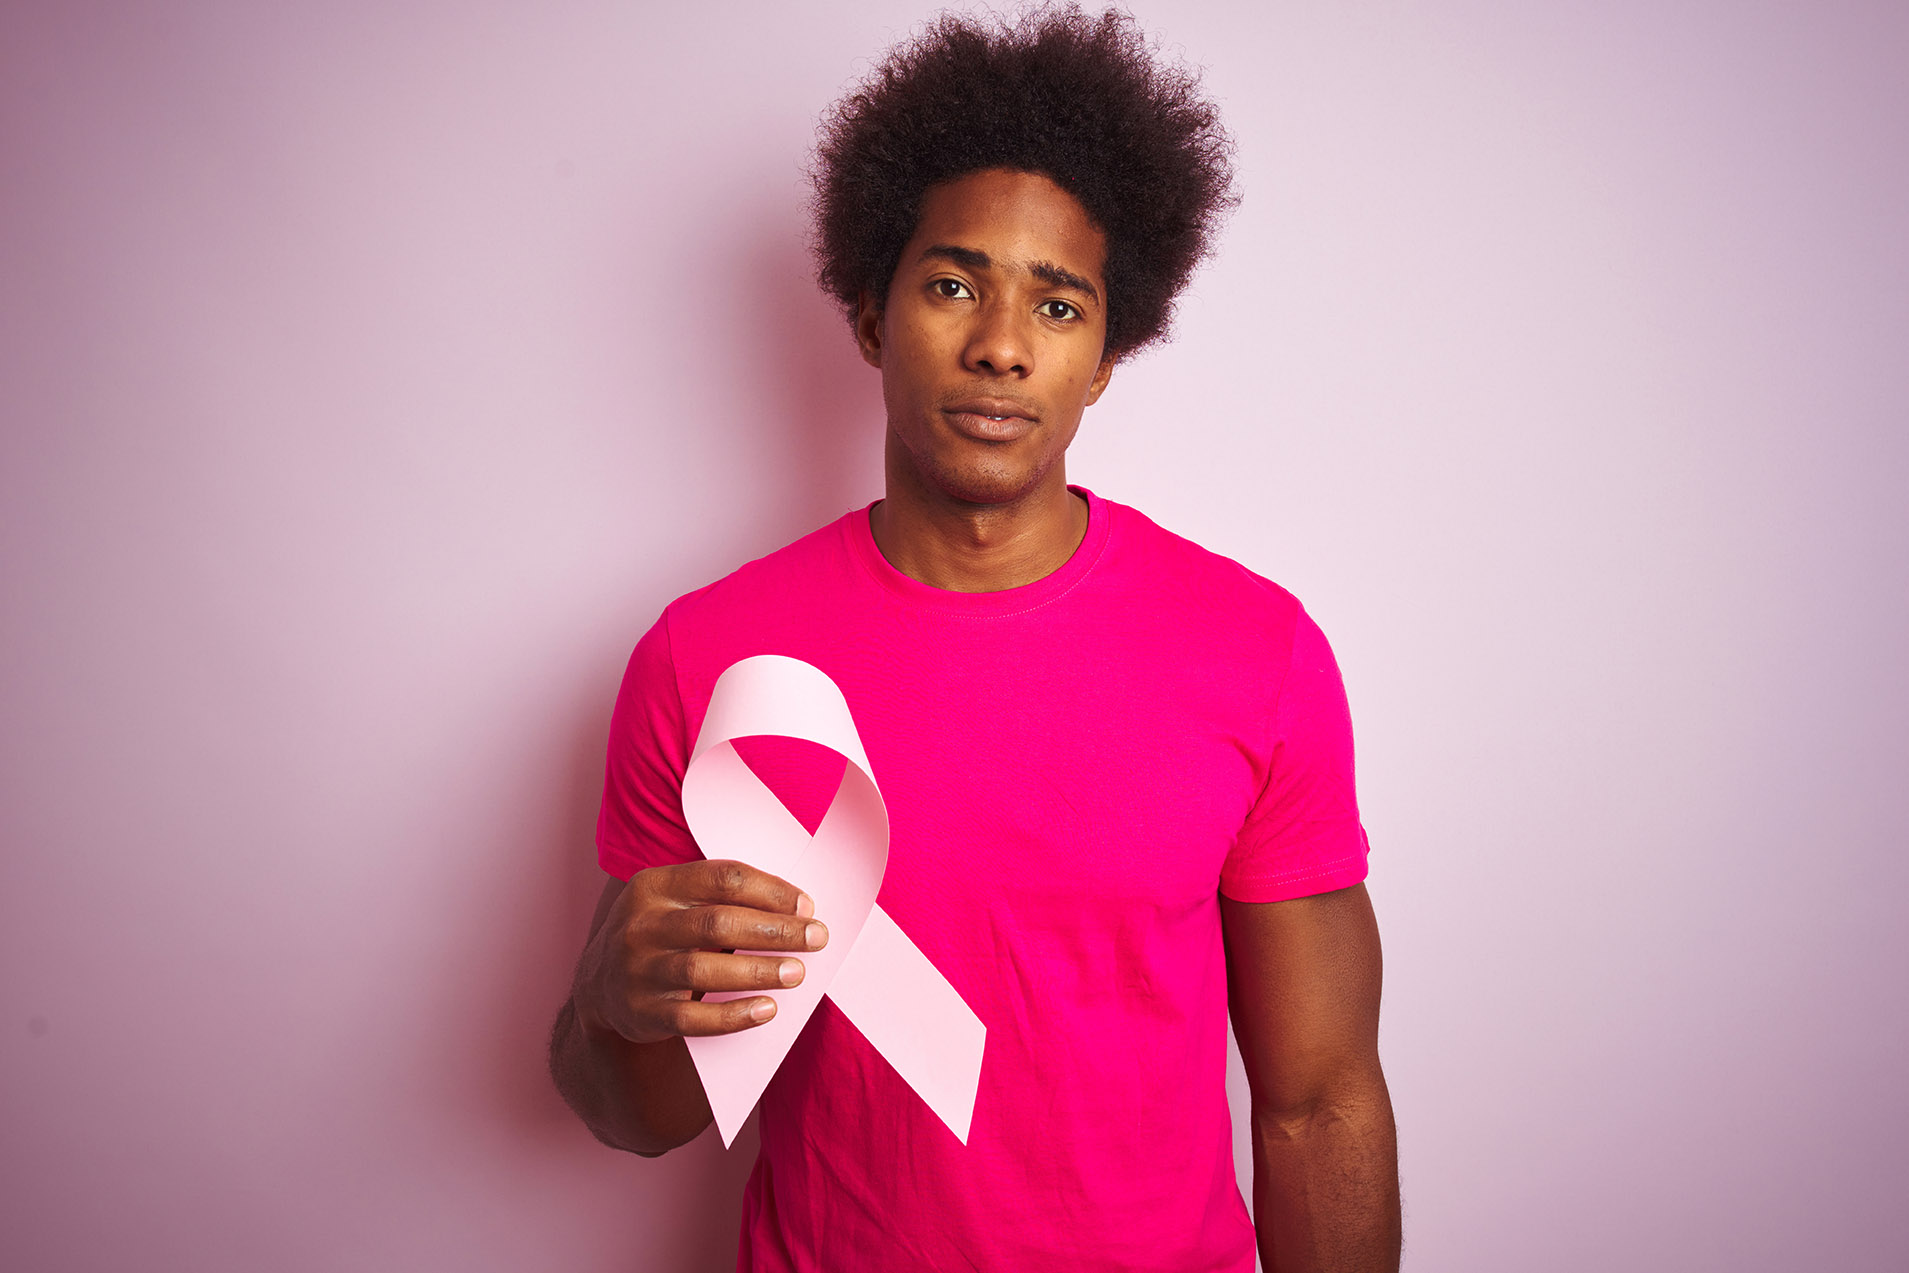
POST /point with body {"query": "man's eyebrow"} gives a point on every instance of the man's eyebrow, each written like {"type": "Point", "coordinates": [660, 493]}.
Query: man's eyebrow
{"type": "Point", "coordinates": [966, 258]}
{"type": "Point", "coordinates": [1055, 276]}
{"type": "Point", "coordinates": [1046, 271]}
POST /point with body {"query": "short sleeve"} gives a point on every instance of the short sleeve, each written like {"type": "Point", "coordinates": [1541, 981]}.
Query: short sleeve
{"type": "Point", "coordinates": [1303, 835]}
{"type": "Point", "coordinates": [640, 823]}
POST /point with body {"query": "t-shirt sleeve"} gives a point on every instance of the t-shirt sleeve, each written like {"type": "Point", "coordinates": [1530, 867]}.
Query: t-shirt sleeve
{"type": "Point", "coordinates": [1303, 834]}
{"type": "Point", "coordinates": [640, 823]}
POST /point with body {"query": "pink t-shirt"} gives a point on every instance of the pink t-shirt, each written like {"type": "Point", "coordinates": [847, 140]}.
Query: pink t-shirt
{"type": "Point", "coordinates": [1075, 770]}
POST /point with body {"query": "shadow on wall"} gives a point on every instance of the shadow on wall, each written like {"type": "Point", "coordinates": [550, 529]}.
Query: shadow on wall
{"type": "Point", "coordinates": [805, 437]}
{"type": "Point", "coordinates": [822, 405]}
{"type": "Point", "coordinates": [814, 435]}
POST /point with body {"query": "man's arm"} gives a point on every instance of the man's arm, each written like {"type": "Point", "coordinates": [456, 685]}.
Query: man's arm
{"type": "Point", "coordinates": [1303, 983]}
{"type": "Point", "coordinates": [657, 944]}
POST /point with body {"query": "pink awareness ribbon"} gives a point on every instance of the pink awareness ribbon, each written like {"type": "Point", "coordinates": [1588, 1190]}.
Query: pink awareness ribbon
{"type": "Point", "coordinates": [895, 996]}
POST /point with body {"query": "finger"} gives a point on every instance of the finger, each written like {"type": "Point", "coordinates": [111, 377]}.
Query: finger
{"type": "Point", "coordinates": [722, 882]}
{"type": "Point", "coordinates": [702, 971]}
{"type": "Point", "coordinates": [727, 1017]}
{"type": "Point", "coordinates": [738, 928]}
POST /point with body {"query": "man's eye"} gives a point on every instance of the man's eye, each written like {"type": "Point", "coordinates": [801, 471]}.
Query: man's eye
{"type": "Point", "coordinates": [950, 288]}
{"type": "Point", "coordinates": [1058, 309]}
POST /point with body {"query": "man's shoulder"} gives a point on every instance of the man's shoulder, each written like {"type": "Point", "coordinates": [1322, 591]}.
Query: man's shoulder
{"type": "Point", "coordinates": [1208, 580]}
{"type": "Point", "coordinates": [817, 559]}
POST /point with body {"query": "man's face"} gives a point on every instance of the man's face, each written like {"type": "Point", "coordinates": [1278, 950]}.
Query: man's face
{"type": "Point", "coordinates": [989, 341]}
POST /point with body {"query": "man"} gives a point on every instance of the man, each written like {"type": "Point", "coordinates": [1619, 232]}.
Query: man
{"type": "Point", "coordinates": [1118, 767]}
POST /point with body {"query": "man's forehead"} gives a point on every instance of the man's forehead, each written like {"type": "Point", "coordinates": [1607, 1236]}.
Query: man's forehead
{"type": "Point", "coordinates": [1013, 221]}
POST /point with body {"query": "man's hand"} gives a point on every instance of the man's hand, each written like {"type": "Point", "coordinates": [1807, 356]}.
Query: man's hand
{"type": "Point", "coordinates": [657, 945]}
{"type": "Point", "coordinates": [669, 938]}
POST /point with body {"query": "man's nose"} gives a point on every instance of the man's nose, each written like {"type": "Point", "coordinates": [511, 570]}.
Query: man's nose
{"type": "Point", "coordinates": [999, 343]}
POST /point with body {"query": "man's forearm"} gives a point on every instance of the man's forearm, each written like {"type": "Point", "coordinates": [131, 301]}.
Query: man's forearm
{"type": "Point", "coordinates": [641, 1097]}
{"type": "Point", "coordinates": [1326, 1185]}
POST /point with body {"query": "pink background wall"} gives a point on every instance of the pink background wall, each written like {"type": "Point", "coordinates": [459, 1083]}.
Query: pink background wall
{"type": "Point", "coordinates": [372, 374]}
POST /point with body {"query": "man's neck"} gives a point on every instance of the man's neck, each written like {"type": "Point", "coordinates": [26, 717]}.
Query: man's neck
{"type": "Point", "coordinates": [962, 547]}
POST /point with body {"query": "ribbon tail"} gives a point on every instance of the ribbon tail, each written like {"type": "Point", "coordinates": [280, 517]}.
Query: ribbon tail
{"type": "Point", "coordinates": [911, 1014]}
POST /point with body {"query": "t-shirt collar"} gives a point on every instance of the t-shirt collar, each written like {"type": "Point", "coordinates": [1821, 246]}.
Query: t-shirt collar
{"type": "Point", "coordinates": [1008, 601]}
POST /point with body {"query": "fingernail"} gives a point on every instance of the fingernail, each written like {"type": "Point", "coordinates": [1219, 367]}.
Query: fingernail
{"type": "Point", "coordinates": [817, 935]}
{"type": "Point", "coordinates": [790, 970]}
{"type": "Point", "coordinates": [804, 906]}
{"type": "Point", "coordinates": [763, 1009]}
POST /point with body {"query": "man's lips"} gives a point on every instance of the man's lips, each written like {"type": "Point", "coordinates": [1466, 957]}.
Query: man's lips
{"type": "Point", "coordinates": [1000, 408]}
{"type": "Point", "coordinates": [990, 419]}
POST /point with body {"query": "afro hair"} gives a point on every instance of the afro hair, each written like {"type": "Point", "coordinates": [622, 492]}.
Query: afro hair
{"type": "Point", "coordinates": [1080, 99]}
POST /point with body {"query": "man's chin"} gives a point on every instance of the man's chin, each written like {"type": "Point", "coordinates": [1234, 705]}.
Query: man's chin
{"type": "Point", "coordinates": [986, 487]}
{"type": "Point", "coordinates": [978, 475]}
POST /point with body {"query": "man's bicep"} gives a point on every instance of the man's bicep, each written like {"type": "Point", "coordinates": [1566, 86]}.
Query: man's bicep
{"type": "Point", "coordinates": [1302, 835]}
{"type": "Point", "coordinates": [1303, 982]}
{"type": "Point", "coordinates": [612, 889]}
{"type": "Point", "coordinates": [640, 822]}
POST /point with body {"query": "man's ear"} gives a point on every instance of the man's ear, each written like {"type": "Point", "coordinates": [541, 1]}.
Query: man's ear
{"type": "Point", "coordinates": [868, 329]}
{"type": "Point", "coordinates": [1102, 374]}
